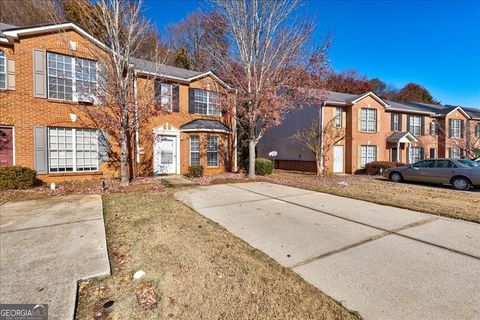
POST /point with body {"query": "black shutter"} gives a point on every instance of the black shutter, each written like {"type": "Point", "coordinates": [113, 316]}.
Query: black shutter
{"type": "Point", "coordinates": [392, 122]}
{"type": "Point", "coordinates": [400, 127]}
{"type": "Point", "coordinates": [449, 152]}
{"type": "Point", "coordinates": [422, 129]}
{"type": "Point", "coordinates": [175, 98]}
{"type": "Point", "coordinates": [103, 146]}
{"type": "Point", "coordinates": [422, 153]}
{"type": "Point", "coordinates": [449, 128]}
{"type": "Point", "coordinates": [191, 100]}
{"type": "Point", "coordinates": [462, 128]}
{"type": "Point", "coordinates": [408, 123]}
{"type": "Point", "coordinates": [408, 153]}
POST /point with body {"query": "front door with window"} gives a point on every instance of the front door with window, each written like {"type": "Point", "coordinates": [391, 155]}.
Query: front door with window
{"type": "Point", "coordinates": [165, 155]}
{"type": "Point", "coordinates": [338, 159]}
{"type": "Point", "coordinates": [6, 146]}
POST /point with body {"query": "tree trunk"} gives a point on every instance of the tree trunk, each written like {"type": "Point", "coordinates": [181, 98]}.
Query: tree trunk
{"type": "Point", "coordinates": [318, 162]}
{"type": "Point", "coordinates": [251, 159]}
{"type": "Point", "coordinates": [124, 157]}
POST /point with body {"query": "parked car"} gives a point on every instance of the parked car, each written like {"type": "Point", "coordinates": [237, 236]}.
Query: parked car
{"type": "Point", "coordinates": [462, 176]}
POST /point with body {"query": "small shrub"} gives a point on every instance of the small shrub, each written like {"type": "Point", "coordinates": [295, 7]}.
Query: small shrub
{"type": "Point", "coordinates": [195, 171]}
{"type": "Point", "coordinates": [17, 177]}
{"type": "Point", "coordinates": [374, 168]}
{"type": "Point", "coordinates": [263, 166]}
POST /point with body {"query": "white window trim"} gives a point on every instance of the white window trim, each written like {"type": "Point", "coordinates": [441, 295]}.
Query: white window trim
{"type": "Point", "coordinates": [374, 111]}
{"type": "Point", "coordinates": [209, 103]}
{"type": "Point", "coordinates": [190, 144]}
{"type": "Point", "coordinates": [218, 144]}
{"type": "Point", "coordinates": [338, 117]}
{"type": "Point", "coordinates": [74, 87]}
{"type": "Point", "coordinates": [5, 73]}
{"type": "Point", "coordinates": [413, 126]}
{"type": "Point", "coordinates": [459, 155]}
{"type": "Point", "coordinates": [13, 141]}
{"type": "Point", "coordinates": [396, 122]}
{"type": "Point", "coordinates": [410, 154]}
{"type": "Point", "coordinates": [453, 129]}
{"type": "Point", "coordinates": [74, 150]}
{"type": "Point", "coordinates": [367, 147]}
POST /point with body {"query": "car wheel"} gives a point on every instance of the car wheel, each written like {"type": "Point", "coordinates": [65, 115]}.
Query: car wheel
{"type": "Point", "coordinates": [461, 183]}
{"type": "Point", "coordinates": [396, 177]}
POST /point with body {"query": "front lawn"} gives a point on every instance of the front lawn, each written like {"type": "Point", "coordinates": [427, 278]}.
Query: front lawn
{"type": "Point", "coordinates": [425, 198]}
{"type": "Point", "coordinates": [194, 269]}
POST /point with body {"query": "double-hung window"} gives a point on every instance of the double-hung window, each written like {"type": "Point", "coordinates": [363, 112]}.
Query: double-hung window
{"type": "Point", "coordinates": [194, 150]}
{"type": "Point", "coordinates": [415, 154]}
{"type": "Point", "coordinates": [396, 122]}
{"type": "Point", "coordinates": [212, 152]}
{"type": "Point", "coordinates": [433, 128]}
{"type": "Point", "coordinates": [338, 117]}
{"type": "Point", "coordinates": [164, 95]}
{"type": "Point", "coordinates": [206, 102]}
{"type": "Point", "coordinates": [3, 70]}
{"type": "Point", "coordinates": [455, 153]}
{"type": "Point", "coordinates": [456, 128]}
{"type": "Point", "coordinates": [416, 125]}
{"type": "Point", "coordinates": [367, 154]}
{"type": "Point", "coordinates": [368, 120]}
{"type": "Point", "coordinates": [72, 79]}
{"type": "Point", "coordinates": [72, 150]}
{"type": "Point", "coordinates": [477, 130]}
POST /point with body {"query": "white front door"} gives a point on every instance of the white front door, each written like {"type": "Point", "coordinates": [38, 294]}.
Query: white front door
{"type": "Point", "coordinates": [165, 155]}
{"type": "Point", "coordinates": [338, 159]}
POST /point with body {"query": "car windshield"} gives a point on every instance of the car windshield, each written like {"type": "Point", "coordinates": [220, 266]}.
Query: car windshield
{"type": "Point", "coordinates": [470, 163]}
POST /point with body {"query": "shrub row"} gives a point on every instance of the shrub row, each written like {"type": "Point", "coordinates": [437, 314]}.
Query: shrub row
{"type": "Point", "coordinates": [377, 167]}
{"type": "Point", "coordinates": [17, 178]}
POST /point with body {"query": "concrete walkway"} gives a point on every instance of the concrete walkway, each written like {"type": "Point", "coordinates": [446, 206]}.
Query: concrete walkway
{"type": "Point", "coordinates": [384, 262]}
{"type": "Point", "coordinates": [46, 246]}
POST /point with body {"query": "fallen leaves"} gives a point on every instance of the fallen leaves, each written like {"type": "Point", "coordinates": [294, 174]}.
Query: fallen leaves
{"type": "Point", "coordinates": [146, 295]}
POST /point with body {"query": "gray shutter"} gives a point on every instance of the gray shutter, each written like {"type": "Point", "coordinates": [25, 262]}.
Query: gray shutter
{"type": "Point", "coordinates": [40, 145]}
{"type": "Point", "coordinates": [449, 152]}
{"type": "Point", "coordinates": [103, 146]}
{"type": "Point", "coordinates": [191, 98]}
{"type": "Point", "coordinates": [408, 155]}
{"type": "Point", "coordinates": [462, 129]}
{"type": "Point", "coordinates": [10, 74]}
{"type": "Point", "coordinates": [422, 129]}
{"type": "Point", "coordinates": [392, 126]}
{"type": "Point", "coordinates": [408, 123]}
{"type": "Point", "coordinates": [422, 153]}
{"type": "Point", "coordinates": [175, 98]}
{"type": "Point", "coordinates": [400, 127]}
{"type": "Point", "coordinates": [449, 128]}
{"type": "Point", "coordinates": [39, 73]}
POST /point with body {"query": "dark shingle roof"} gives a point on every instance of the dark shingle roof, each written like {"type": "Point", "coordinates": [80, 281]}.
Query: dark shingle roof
{"type": "Point", "coordinates": [205, 125]}
{"type": "Point", "coordinates": [163, 69]}
{"type": "Point", "coordinates": [396, 136]}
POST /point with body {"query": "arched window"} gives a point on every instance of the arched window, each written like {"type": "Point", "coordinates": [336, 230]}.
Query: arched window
{"type": "Point", "coordinates": [3, 70]}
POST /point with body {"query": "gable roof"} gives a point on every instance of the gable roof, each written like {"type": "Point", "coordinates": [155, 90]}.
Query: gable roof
{"type": "Point", "coordinates": [8, 34]}
{"type": "Point", "coordinates": [349, 99]}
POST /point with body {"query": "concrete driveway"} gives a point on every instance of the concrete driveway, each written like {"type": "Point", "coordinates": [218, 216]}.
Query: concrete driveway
{"type": "Point", "coordinates": [46, 246]}
{"type": "Point", "coordinates": [384, 262]}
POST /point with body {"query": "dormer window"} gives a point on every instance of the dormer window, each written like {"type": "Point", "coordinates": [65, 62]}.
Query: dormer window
{"type": "Point", "coordinates": [71, 78]}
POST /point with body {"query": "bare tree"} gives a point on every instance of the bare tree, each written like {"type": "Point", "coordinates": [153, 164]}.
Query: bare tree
{"type": "Point", "coordinates": [30, 12]}
{"type": "Point", "coordinates": [274, 66]}
{"type": "Point", "coordinates": [468, 143]}
{"type": "Point", "coordinates": [320, 139]}
{"type": "Point", "coordinates": [125, 100]}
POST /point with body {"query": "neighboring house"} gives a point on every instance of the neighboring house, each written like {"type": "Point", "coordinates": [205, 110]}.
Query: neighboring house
{"type": "Point", "coordinates": [44, 126]}
{"type": "Point", "coordinates": [373, 130]}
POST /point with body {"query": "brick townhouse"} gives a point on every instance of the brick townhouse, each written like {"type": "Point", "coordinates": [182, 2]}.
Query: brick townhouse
{"type": "Point", "coordinates": [363, 128]}
{"type": "Point", "coordinates": [44, 125]}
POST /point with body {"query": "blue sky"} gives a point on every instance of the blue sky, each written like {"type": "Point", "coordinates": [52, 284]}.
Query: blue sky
{"type": "Point", "coordinates": [434, 43]}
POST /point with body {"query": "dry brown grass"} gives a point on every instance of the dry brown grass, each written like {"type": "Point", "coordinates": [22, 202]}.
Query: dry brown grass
{"type": "Point", "coordinates": [197, 269]}
{"type": "Point", "coordinates": [437, 200]}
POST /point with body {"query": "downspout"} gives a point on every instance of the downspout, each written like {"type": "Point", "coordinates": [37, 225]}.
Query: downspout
{"type": "Point", "coordinates": [135, 96]}
{"type": "Point", "coordinates": [234, 124]}
{"type": "Point", "coordinates": [320, 128]}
